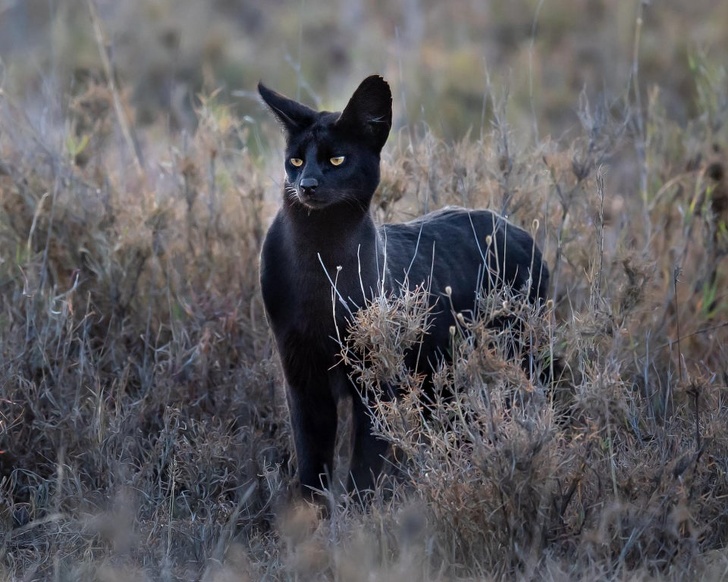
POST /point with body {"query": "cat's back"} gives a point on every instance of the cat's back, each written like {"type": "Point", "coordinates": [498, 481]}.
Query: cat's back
{"type": "Point", "coordinates": [447, 225]}
{"type": "Point", "coordinates": [450, 246]}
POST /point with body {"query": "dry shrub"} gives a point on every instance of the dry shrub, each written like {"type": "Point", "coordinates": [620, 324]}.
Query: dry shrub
{"type": "Point", "coordinates": [510, 480]}
{"type": "Point", "coordinates": [477, 453]}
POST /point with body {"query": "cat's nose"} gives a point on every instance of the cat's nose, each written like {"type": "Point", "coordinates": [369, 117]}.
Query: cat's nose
{"type": "Point", "coordinates": [309, 185]}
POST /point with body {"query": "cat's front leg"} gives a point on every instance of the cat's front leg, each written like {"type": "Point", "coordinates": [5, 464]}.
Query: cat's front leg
{"type": "Point", "coordinates": [368, 450]}
{"type": "Point", "coordinates": [313, 421]}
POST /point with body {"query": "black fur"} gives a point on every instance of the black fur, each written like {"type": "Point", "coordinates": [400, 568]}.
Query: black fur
{"type": "Point", "coordinates": [324, 234]}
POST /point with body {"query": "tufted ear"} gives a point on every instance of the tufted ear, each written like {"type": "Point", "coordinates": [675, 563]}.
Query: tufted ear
{"type": "Point", "coordinates": [292, 115]}
{"type": "Point", "coordinates": [370, 110]}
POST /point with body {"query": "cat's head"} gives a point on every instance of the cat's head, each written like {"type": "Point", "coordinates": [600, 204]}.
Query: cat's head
{"type": "Point", "coordinates": [333, 158]}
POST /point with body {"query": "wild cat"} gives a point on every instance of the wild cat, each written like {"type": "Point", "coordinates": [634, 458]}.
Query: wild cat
{"type": "Point", "coordinates": [324, 235]}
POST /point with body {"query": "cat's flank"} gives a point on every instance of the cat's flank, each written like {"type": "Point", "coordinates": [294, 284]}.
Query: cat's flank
{"type": "Point", "coordinates": [324, 233]}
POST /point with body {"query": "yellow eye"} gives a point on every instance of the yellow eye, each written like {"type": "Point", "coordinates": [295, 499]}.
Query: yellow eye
{"type": "Point", "coordinates": [337, 161]}
{"type": "Point", "coordinates": [296, 162]}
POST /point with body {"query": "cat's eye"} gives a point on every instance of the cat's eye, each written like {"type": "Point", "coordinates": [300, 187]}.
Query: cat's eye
{"type": "Point", "coordinates": [337, 160]}
{"type": "Point", "coordinates": [296, 162]}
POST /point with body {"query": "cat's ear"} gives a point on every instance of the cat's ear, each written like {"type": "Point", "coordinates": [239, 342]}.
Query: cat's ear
{"type": "Point", "coordinates": [292, 115]}
{"type": "Point", "coordinates": [370, 110]}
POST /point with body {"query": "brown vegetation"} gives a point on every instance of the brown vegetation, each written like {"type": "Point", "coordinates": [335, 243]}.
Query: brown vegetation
{"type": "Point", "coordinates": [143, 431]}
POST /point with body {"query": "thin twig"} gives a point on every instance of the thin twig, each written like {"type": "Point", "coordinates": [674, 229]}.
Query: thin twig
{"type": "Point", "coordinates": [118, 109]}
{"type": "Point", "coordinates": [675, 279]}
{"type": "Point", "coordinates": [696, 332]}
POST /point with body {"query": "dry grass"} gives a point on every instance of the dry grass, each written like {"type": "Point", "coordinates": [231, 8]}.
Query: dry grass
{"type": "Point", "coordinates": [143, 431]}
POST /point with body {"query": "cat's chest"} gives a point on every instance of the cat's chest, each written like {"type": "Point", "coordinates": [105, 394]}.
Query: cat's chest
{"type": "Point", "coordinates": [301, 291]}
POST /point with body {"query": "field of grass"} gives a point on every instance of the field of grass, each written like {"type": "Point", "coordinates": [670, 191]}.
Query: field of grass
{"type": "Point", "coordinates": [143, 427]}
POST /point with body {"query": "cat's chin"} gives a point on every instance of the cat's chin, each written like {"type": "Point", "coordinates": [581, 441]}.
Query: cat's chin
{"type": "Point", "coordinates": [311, 203]}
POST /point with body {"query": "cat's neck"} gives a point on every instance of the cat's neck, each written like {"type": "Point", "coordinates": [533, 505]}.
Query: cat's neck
{"type": "Point", "coordinates": [336, 236]}
{"type": "Point", "coordinates": [334, 225]}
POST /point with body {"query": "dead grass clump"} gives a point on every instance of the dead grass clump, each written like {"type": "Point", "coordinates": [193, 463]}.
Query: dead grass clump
{"type": "Point", "coordinates": [134, 354]}
{"type": "Point", "coordinates": [509, 478]}
{"type": "Point", "coordinates": [476, 452]}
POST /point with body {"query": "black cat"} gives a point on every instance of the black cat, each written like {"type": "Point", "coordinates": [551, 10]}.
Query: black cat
{"type": "Point", "coordinates": [324, 237]}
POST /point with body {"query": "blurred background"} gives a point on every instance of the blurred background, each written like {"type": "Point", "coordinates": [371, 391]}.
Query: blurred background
{"type": "Point", "coordinates": [441, 57]}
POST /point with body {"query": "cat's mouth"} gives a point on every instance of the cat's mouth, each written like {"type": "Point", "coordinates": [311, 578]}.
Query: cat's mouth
{"type": "Point", "coordinates": [311, 200]}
